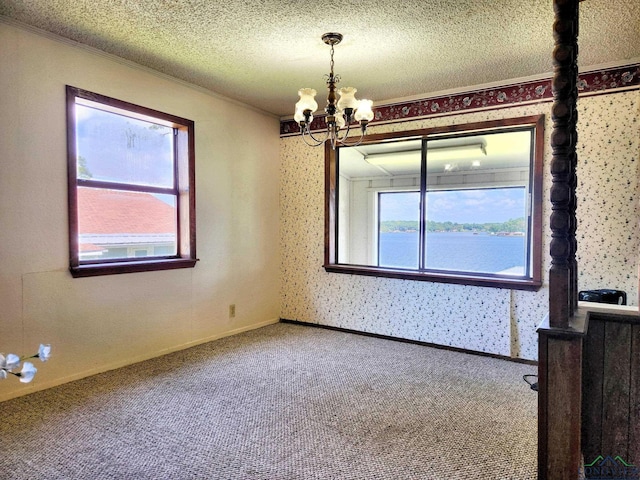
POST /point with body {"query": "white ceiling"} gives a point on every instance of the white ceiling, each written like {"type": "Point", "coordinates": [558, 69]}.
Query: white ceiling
{"type": "Point", "coordinates": [261, 52]}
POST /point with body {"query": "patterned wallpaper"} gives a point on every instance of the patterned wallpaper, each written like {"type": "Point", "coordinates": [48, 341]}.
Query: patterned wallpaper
{"type": "Point", "coordinates": [476, 318]}
{"type": "Point", "coordinates": [608, 208]}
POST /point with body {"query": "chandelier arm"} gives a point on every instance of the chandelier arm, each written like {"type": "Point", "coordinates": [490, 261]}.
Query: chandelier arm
{"type": "Point", "coordinates": [304, 137]}
{"type": "Point", "coordinates": [346, 134]}
{"type": "Point", "coordinates": [317, 142]}
{"type": "Point", "coordinates": [355, 144]}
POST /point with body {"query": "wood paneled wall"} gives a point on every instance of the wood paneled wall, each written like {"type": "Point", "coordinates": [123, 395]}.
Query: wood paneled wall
{"type": "Point", "coordinates": [611, 387]}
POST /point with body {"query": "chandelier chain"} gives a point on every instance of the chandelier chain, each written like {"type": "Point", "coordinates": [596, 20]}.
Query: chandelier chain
{"type": "Point", "coordinates": [331, 63]}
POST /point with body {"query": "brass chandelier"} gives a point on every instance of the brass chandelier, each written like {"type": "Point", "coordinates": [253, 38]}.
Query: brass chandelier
{"type": "Point", "coordinates": [340, 114]}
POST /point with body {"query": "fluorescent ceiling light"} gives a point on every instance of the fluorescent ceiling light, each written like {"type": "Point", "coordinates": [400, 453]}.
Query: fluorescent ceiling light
{"type": "Point", "coordinates": [460, 150]}
{"type": "Point", "coordinates": [435, 153]}
{"type": "Point", "coordinates": [406, 158]}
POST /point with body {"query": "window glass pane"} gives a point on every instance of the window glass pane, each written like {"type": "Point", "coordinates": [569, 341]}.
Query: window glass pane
{"type": "Point", "coordinates": [456, 205]}
{"type": "Point", "coordinates": [364, 172]}
{"type": "Point", "coordinates": [399, 233]}
{"type": "Point", "coordinates": [117, 148]}
{"type": "Point", "coordinates": [479, 230]}
{"type": "Point", "coordinates": [121, 224]}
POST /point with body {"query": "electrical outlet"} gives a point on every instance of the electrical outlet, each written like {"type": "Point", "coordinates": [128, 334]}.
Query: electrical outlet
{"type": "Point", "coordinates": [232, 310]}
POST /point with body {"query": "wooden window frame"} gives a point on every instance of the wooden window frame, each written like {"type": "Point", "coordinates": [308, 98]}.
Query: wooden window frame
{"type": "Point", "coordinates": [533, 283]}
{"type": "Point", "coordinates": [184, 188]}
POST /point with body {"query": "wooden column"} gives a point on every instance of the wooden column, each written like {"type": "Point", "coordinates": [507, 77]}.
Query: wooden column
{"type": "Point", "coordinates": [560, 399]}
{"type": "Point", "coordinates": [561, 333]}
{"type": "Point", "coordinates": [563, 273]}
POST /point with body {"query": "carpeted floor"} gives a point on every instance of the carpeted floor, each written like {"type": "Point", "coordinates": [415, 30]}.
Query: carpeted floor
{"type": "Point", "coordinates": [283, 402]}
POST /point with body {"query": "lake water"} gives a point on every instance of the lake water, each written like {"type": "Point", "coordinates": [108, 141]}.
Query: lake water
{"type": "Point", "coordinates": [462, 251]}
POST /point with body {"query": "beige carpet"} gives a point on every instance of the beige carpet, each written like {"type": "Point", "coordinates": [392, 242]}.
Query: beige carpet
{"type": "Point", "coordinates": [282, 402]}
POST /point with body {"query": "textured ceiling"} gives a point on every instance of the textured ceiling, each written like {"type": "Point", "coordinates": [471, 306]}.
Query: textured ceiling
{"type": "Point", "coordinates": [261, 52]}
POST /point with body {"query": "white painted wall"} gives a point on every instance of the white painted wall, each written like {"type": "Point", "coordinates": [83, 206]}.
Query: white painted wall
{"type": "Point", "coordinates": [100, 323]}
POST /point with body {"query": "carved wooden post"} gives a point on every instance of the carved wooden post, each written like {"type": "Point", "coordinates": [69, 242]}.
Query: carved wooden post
{"type": "Point", "coordinates": [560, 335]}
{"type": "Point", "coordinates": [563, 273]}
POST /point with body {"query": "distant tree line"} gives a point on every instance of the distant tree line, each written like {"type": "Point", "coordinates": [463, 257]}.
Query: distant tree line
{"type": "Point", "coordinates": [511, 225]}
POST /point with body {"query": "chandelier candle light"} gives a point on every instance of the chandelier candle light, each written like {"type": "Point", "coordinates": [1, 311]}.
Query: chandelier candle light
{"type": "Point", "coordinates": [11, 362]}
{"type": "Point", "coordinates": [340, 114]}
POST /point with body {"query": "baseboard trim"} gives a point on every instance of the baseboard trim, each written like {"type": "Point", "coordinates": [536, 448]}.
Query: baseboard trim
{"type": "Point", "coordinates": [22, 390]}
{"type": "Point", "coordinates": [408, 340]}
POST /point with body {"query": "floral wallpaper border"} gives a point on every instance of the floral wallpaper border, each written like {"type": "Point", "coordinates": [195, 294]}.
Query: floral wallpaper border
{"type": "Point", "coordinates": [597, 81]}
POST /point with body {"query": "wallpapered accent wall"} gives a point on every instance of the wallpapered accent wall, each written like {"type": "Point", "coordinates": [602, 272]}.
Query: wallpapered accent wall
{"type": "Point", "coordinates": [483, 319]}
{"type": "Point", "coordinates": [608, 201]}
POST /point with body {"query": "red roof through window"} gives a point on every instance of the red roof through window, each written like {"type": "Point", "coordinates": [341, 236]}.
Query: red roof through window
{"type": "Point", "coordinates": [103, 211]}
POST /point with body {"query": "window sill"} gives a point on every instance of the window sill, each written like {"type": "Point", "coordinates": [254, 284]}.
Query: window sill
{"type": "Point", "coordinates": [510, 283]}
{"type": "Point", "coordinates": [113, 268]}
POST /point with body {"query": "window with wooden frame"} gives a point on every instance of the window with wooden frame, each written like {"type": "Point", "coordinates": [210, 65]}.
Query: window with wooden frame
{"type": "Point", "coordinates": [457, 204]}
{"type": "Point", "coordinates": [131, 175]}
